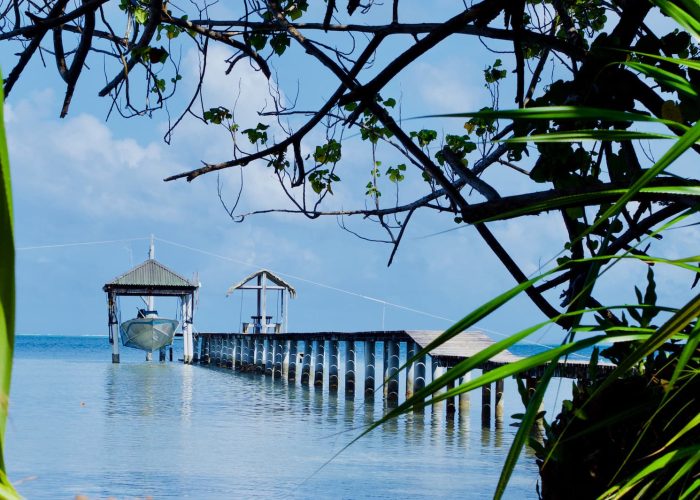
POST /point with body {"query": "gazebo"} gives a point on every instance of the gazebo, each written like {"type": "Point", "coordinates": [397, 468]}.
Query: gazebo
{"type": "Point", "coordinates": [262, 282]}
{"type": "Point", "coordinates": [151, 279]}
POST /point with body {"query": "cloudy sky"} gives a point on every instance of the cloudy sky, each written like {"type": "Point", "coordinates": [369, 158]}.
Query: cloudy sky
{"type": "Point", "coordinates": [89, 179]}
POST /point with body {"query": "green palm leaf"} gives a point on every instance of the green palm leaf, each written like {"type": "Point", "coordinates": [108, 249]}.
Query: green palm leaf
{"type": "Point", "coordinates": [7, 296]}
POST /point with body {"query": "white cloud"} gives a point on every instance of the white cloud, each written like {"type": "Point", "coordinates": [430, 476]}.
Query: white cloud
{"type": "Point", "coordinates": [445, 88]}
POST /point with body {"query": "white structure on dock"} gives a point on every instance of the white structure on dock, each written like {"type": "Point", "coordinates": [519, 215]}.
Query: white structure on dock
{"type": "Point", "coordinates": [151, 279]}
{"type": "Point", "coordinates": [265, 281]}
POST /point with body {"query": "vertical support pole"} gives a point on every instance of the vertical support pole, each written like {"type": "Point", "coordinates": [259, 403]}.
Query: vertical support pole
{"type": "Point", "coordinates": [171, 353]}
{"type": "Point", "coordinates": [320, 347]}
{"type": "Point", "coordinates": [333, 363]}
{"type": "Point", "coordinates": [285, 358]}
{"type": "Point", "coordinates": [187, 324]}
{"type": "Point", "coordinates": [258, 354]}
{"type": "Point", "coordinates": [292, 369]}
{"type": "Point", "coordinates": [438, 370]}
{"type": "Point", "coordinates": [411, 350]}
{"type": "Point", "coordinates": [113, 326]}
{"type": "Point", "coordinates": [306, 363]}
{"type": "Point", "coordinates": [269, 357]}
{"type": "Point", "coordinates": [263, 319]}
{"type": "Point", "coordinates": [451, 408]}
{"type": "Point", "coordinates": [279, 355]}
{"type": "Point", "coordinates": [244, 352]}
{"type": "Point", "coordinates": [499, 402]}
{"type": "Point", "coordinates": [161, 354]}
{"type": "Point", "coordinates": [370, 364]}
{"type": "Point", "coordinates": [149, 356]}
{"type": "Point", "coordinates": [238, 359]}
{"type": "Point", "coordinates": [531, 385]}
{"type": "Point", "coordinates": [391, 368]}
{"type": "Point", "coordinates": [350, 367]}
{"type": "Point", "coordinates": [464, 403]}
{"type": "Point", "coordinates": [250, 358]}
{"type": "Point", "coordinates": [486, 405]}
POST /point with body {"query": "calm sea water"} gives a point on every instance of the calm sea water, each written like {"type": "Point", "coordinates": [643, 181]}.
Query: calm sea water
{"type": "Point", "coordinates": [81, 425]}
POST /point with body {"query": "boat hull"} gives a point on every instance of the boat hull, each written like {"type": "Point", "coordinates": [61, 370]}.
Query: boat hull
{"type": "Point", "coordinates": [148, 334]}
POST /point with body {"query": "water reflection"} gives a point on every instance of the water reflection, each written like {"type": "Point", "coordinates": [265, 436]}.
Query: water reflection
{"type": "Point", "coordinates": [216, 432]}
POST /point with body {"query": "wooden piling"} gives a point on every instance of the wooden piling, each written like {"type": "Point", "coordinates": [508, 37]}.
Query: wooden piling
{"type": "Point", "coordinates": [451, 407]}
{"type": "Point", "coordinates": [333, 365]}
{"type": "Point", "coordinates": [437, 371]}
{"type": "Point", "coordinates": [350, 367]}
{"type": "Point", "coordinates": [279, 358]}
{"type": "Point", "coordinates": [486, 405]}
{"type": "Point", "coordinates": [411, 351]}
{"type": "Point", "coordinates": [464, 402]}
{"type": "Point", "coordinates": [319, 347]}
{"type": "Point", "coordinates": [238, 358]}
{"type": "Point", "coordinates": [161, 354]}
{"type": "Point", "coordinates": [499, 402]}
{"type": "Point", "coordinates": [370, 363]}
{"type": "Point", "coordinates": [269, 356]}
{"type": "Point", "coordinates": [391, 368]}
{"type": "Point", "coordinates": [292, 368]}
{"type": "Point", "coordinates": [306, 363]}
{"type": "Point", "coordinates": [285, 357]}
{"type": "Point", "coordinates": [259, 359]}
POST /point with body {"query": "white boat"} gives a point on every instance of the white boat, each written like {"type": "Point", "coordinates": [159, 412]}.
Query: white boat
{"type": "Point", "coordinates": [147, 331]}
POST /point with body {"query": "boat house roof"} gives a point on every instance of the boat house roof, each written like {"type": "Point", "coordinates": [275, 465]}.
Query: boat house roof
{"type": "Point", "coordinates": [270, 276]}
{"type": "Point", "coordinates": [150, 276]}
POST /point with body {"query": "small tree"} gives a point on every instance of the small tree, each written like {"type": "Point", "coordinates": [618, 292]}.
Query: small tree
{"type": "Point", "coordinates": [581, 74]}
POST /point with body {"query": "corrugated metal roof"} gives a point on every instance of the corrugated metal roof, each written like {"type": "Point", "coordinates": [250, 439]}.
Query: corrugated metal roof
{"type": "Point", "coordinates": [270, 275]}
{"type": "Point", "coordinates": [151, 274]}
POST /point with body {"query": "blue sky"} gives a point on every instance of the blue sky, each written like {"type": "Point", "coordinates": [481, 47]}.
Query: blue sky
{"type": "Point", "coordinates": [83, 179]}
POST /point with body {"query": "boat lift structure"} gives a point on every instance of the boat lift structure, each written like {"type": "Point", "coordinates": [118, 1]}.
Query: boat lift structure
{"type": "Point", "coordinates": [261, 282]}
{"type": "Point", "coordinates": [152, 279]}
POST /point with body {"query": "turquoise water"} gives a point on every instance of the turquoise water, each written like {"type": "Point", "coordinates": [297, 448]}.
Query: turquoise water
{"type": "Point", "coordinates": [81, 425]}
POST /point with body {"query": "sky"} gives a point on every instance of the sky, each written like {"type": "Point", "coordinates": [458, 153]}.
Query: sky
{"type": "Point", "coordinates": [89, 192]}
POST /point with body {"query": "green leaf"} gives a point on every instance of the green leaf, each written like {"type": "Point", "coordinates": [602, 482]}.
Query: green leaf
{"type": "Point", "coordinates": [664, 77]}
{"type": "Point", "coordinates": [560, 113]}
{"type": "Point", "coordinates": [140, 15]}
{"type": "Point", "coordinates": [7, 294]}
{"type": "Point", "coordinates": [589, 135]}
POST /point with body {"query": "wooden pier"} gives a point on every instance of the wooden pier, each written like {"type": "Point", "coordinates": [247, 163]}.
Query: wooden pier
{"type": "Point", "coordinates": [330, 359]}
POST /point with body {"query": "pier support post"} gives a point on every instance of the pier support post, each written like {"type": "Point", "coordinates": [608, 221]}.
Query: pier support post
{"type": "Point", "coordinates": [451, 407]}
{"type": "Point", "coordinates": [245, 353]}
{"type": "Point", "coordinates": [438, 370]}
{"type": "Point", "coordinates": [464, 402]}
{"type": "Point", "coordinates": [206, 343]}
{"type": "Point", "coordinates": [259, 354]}
{"type": "Point", "coordinates": [285, 357]}
{"type": "Point", "coordinates": [187, 339]}
{"type": "Point", "coordinates": [238, 359]}
{"type": "Point", "coordinates": [149, 356]}
{"type": "Point", "coordinates": [269, 356]}
{"type": "Point", "coordinates": [333, 364]}
{"type": "Point", "coordinates": [499, 402]}
{"type": "Point", "coordinates": [292, 356]}
{"type": "Point", "coordinates": [279, 355]}
{"type": "Point", "coordinates": [161, 354]}
{"type": "Point", "coordinates": [370, 364]}
{"type": "Point", "coordinates": [306, 363]}
{"type": "Point", "coordinates": [113, 326]}
{"type": "Point", "coordinates": [486, 405]}
{"type": "Point", "coordinates": [171, 353]}
{"type": "Point", "coordinates": [411, 350]}
{"type": "Point", "coordinates": [531, 384]}
{"type": "Point", "coordinates": [350, 367]}
{"type": "Point", "coordinates": [391, 368]}
{"type": "Point", "coordinates": [320, 348]}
